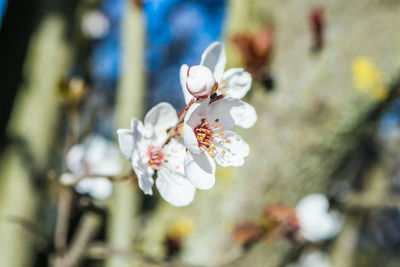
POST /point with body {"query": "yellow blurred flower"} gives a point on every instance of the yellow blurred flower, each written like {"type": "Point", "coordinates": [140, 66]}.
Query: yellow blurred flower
{"type": "Point", "coordinates": [181, 228]}
{"type": "Point", "coordinates": [369, 79]}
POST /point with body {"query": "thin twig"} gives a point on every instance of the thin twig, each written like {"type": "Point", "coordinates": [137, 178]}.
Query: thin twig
{"type": "Point", "coordinates": [87, 229]}
{"type": "Point", "coordinates": [63, 215]}
{"type": "Point", "coordinates": [104, 251]}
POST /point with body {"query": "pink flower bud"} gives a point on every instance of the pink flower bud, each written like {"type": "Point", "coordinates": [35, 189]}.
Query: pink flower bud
{"type": "Point", "coordinates": [200, 81]}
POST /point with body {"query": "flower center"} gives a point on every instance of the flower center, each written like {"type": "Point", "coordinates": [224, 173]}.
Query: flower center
{"type": "Point", "coordinates": [156, 156]}
{"type": "Point", "coordinates": [206, 135]}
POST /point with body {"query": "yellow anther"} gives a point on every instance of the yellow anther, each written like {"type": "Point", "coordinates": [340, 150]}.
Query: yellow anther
{"type": "Point", "coordinates": [221, 134]}
{"type": "Point", "coordinates": [226, 141]}
{"type": "Point", "coordinates": [213, 147]}
{"type": "Point", "coordinates": [212, 155]}
{"type": "Point", "coordinates": [151, 161]}
{"type": "Point", "coordinates": [222, 127]}
{"type": "Point", "coordinates": [215, 126]}
{"type": "Point", "coordinates": [223, 151]}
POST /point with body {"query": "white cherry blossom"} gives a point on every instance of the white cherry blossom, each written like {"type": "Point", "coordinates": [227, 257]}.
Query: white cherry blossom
{"type": "Point", "coordinates": [317, 223]}
{"type": "Point", "coordinates": [98, 157]}
{"type": "Point", "coordinates": [235, 82]}
{"type": "Point", "coordinates": [144, 144]}
{"type": "Point", "coordinates": [208, 137]}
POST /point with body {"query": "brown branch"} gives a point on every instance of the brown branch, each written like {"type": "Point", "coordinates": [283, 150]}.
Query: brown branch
{"type": "Point", "coordinates": [104, 251]}
{"type": "Point", "coordinates": [63, 215]}
{"type": "Point", "coordinates": [87, 229]}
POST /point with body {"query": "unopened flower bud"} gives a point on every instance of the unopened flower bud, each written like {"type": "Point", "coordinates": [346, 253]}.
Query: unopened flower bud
{"type": "Point", "coordinates": [200, 81]}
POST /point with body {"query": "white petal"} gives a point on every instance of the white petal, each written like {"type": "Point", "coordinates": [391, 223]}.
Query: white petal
{"type": "Point", "coordinates": [196, 112]}
{"type": "Point", "coordinates": [75, 160]}
{"type": "Point", "coordinates": [200, 170]}
{"type": "Point", "coordinates": [238, 82]}
{"type": "Point", "coordinates": [174, 188]}
{"type": "Point", "coordinates": [235, 150]}
{"type": "Point", "coordinates": [126, 142]}
{"type": "Point", "coordinates": [221, 110]}
{"type": "Point", "coordinates": [183, 78]}
{"type": "Point", "coordinates": [145, 180]}
{"type": "Point", "coordinates": [160, 118]}
{"type": "Point", "coordinates": [137, 128]}
{"type": "Point", "coordinates": [214, 58]}
{"type": "Point", "coordinates": [99, 187]}
{"type": "Point", "coordinates": [244, 115]}
{"type": "Point", "coordinates": [190, 140]}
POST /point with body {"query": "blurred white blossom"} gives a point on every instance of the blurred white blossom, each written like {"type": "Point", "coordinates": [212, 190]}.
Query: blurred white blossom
{"type": "Point", "coordinates": [96, 187]}
{"type": "Point", "coordinates": [98, 157]}
{"type": "Point", "coordinates": [313, 259]}
{"type": "Point", "coordinates": [317, 222]}
{"type": "Point", "coordinates": [95, 24]}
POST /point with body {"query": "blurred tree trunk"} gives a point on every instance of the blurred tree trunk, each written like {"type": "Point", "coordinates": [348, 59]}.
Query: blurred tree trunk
{"type": "Point", "coordinates": [33, 123]}
{"type": "Point", "coordinates": [130, 103]}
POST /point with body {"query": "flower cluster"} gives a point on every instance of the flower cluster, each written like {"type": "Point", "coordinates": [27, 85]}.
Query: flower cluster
{"type": "Point", "coordinates": [179, 152]}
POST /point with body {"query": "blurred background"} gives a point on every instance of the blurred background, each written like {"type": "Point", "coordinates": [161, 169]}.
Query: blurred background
{"type": "Point", "coordinates": [320, 188]}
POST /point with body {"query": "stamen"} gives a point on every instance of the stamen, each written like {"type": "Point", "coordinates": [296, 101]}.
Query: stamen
{"type": "Point", "coordinates": [156, 157]}
{"type": "Point", "coordinates": [205, 134]}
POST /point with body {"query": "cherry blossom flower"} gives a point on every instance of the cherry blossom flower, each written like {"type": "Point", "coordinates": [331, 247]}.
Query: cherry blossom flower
{"type": "Point", "coordinates": [317, 223]}
{"type": "Point", "coordinates": [98, 157]}
{"type": "Point", "coordinates": [208, 137]}
{"type": "Point", "coordinates": [235, 83]}
{"type": "Point", "coordinates": [151, 155]}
